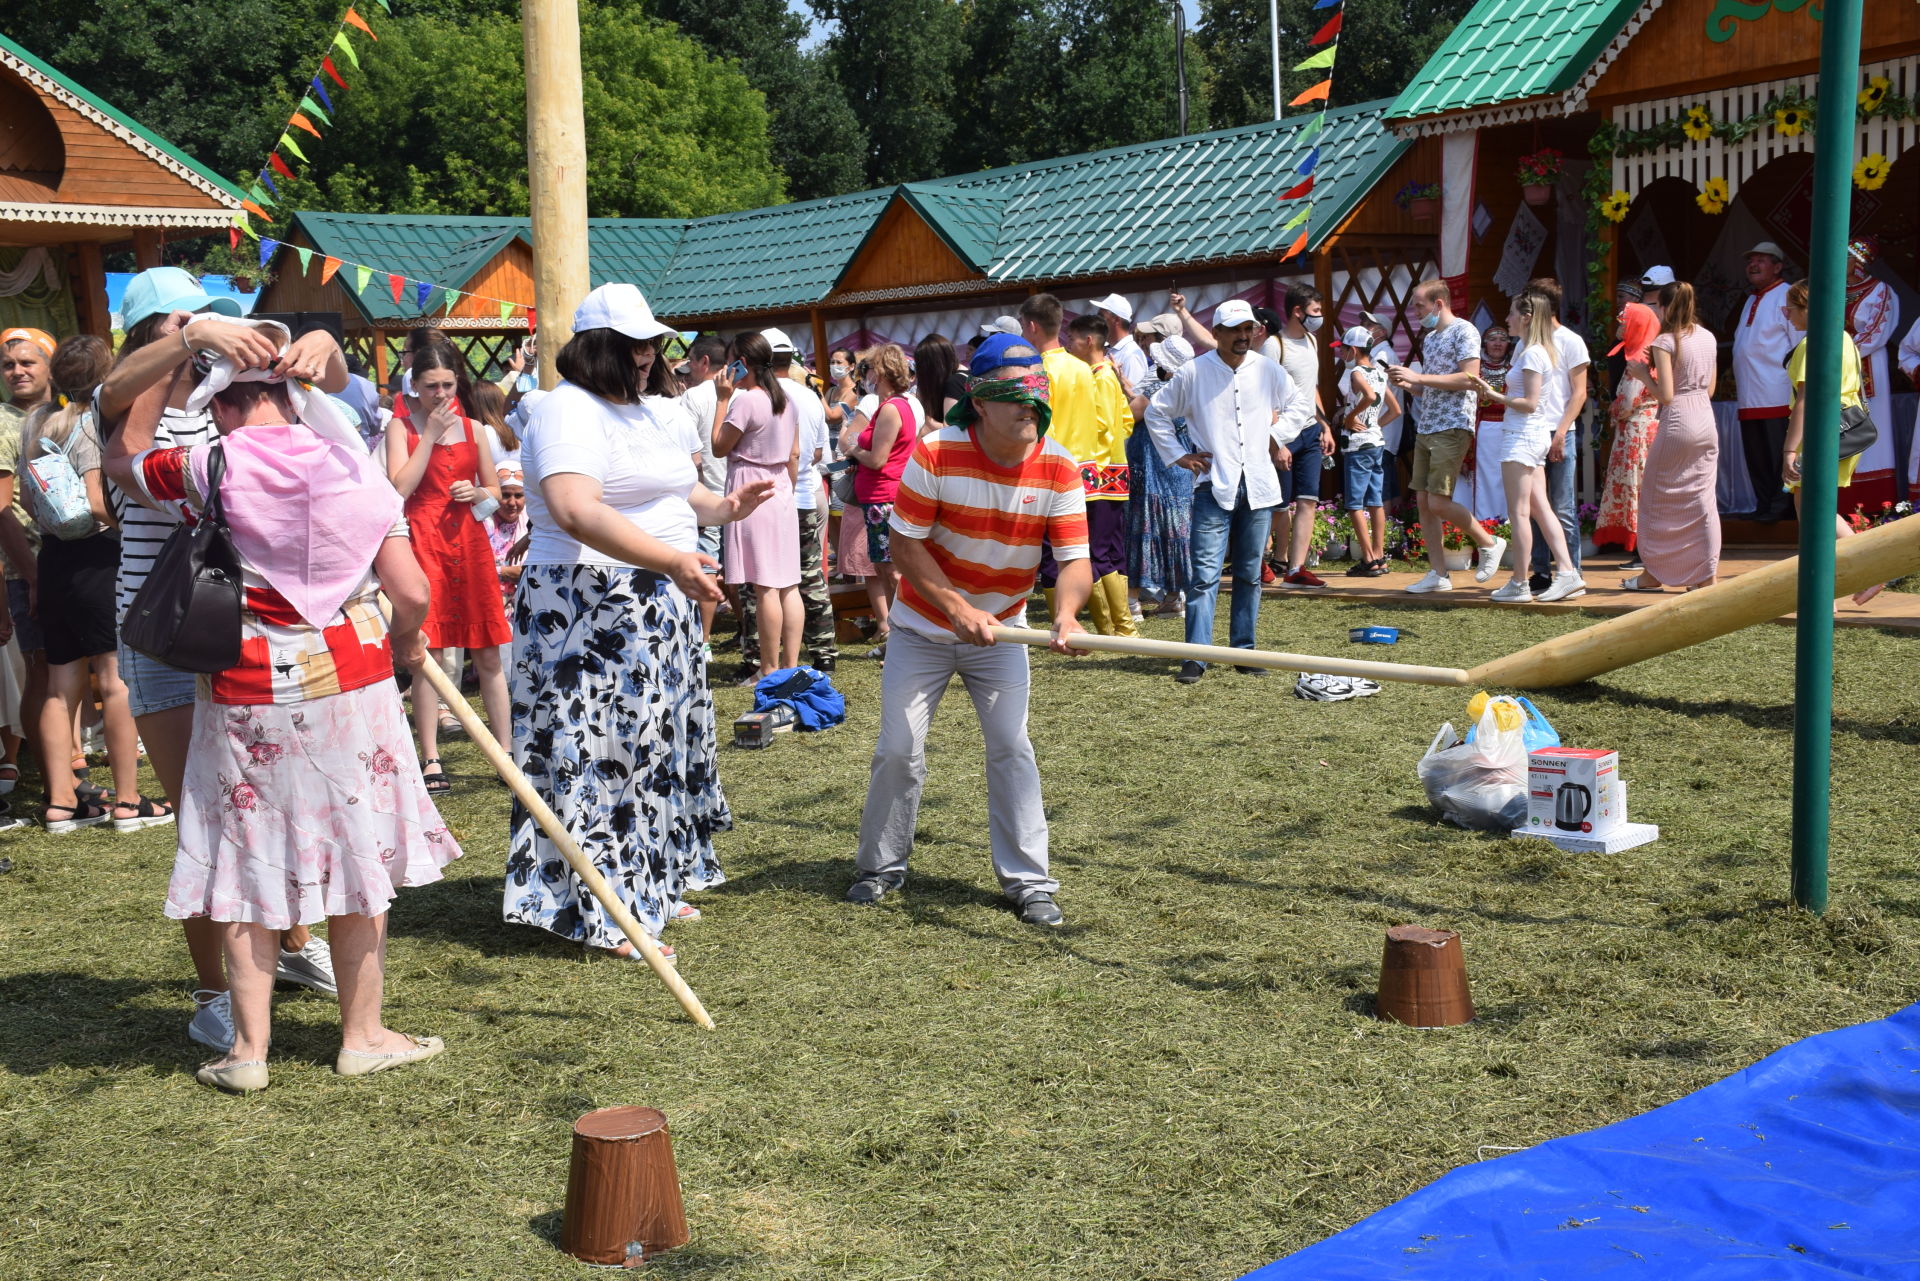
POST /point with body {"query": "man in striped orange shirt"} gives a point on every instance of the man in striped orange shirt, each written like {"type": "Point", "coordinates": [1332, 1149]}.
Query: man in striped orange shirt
{"type": "Point", "coordinates": [975, 503]}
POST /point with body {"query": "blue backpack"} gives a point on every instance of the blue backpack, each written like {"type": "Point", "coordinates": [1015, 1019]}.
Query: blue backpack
{"type": "Point", "coordinates": [807, 692]}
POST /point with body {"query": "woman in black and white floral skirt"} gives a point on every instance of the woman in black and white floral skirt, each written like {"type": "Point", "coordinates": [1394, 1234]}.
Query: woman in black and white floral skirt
{"type": "Point", "coordinates": [612, 718]}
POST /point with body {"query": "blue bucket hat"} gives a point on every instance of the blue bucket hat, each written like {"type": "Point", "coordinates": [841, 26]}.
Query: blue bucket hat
{"type": "Point", "coordinates": [159, 290]}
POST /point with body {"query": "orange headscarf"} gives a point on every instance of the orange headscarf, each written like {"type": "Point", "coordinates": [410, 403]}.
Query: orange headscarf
{"type": "Point", "coordinates": [1638, 327]}
{"type": "Point", "coordinates": [38, 337]}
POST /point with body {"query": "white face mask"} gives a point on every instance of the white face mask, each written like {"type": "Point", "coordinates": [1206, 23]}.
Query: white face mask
{"type": "Point", "coordinates": [1312, 323]}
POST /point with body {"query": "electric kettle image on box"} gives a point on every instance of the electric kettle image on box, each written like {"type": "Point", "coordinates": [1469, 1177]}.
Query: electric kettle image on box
{"type": "Point", "coordinates": [1571, 805]}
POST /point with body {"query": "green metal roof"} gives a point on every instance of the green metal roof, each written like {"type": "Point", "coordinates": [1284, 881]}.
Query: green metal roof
{"type": "Point", "coordinates": [121, 118]}
{"type": "Point", "coordinates": [1179, 202]}
{"type": "Point", "coordinates": [1507, 50]}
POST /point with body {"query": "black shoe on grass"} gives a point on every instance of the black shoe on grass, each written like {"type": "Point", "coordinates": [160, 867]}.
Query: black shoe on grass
{"type": "Point", "coordinates": [1041, 910]}
{"type": "Point", "coordinates": [1190, 671]}
{"type": "Point", "coordinates": [870, 889]}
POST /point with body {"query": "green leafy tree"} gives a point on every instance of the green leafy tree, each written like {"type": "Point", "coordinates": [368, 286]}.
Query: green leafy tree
{"type": "Point", "coordinates": [895, 60]}
{"type": "Point", "coordinates": [1119, 83]}
{"type": "Point", "coordinates": [1007, 105]}
{"type": "Point", "coordinates": [816, 139]}
{"type": "Point", "coordinates": [1383, 43]}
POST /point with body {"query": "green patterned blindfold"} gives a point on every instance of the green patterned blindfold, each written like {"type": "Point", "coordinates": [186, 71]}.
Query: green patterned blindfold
{"type": "Point", "coordinates": [1028, 389]}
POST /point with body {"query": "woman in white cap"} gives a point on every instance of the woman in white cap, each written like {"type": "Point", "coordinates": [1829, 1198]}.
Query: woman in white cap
{"type": "Point", "coordinates": [613, 719]}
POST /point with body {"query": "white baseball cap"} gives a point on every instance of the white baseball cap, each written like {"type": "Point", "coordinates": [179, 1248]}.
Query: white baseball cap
{"type": "Point", "coordinates": [1001, 325]}
{"type": "Point", "coordinates": [1233, 313]}
{"type": "Point", "coordinates": [1359, 336]}
{"type": "Point", "coordinates": [1769, 248]}
{"type": "Point", "coordinates": [1116, 304]}
{"type": "Point", "coordinates": [1654, 277]}
{"type": "Point", "coordinates": [778, 341]}
{"type": "Point", "coordinates": [1375, 318]}
{"type": "Point", "coordinates": [621, 308]}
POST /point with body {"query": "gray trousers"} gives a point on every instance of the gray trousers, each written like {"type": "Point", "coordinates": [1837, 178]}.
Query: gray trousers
{"type": "Point", "coordinates": [918, 669]}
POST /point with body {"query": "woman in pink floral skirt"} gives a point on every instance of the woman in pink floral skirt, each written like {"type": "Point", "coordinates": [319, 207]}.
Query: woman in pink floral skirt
{"type": "Point", "coordinates": [303, 797]}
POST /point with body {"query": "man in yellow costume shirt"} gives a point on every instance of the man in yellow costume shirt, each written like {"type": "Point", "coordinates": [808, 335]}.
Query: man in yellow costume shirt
{"type": "Point", "coordinates": [1091, 421]}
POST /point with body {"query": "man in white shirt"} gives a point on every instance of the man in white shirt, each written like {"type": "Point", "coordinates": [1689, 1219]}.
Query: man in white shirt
{"type": "Point", "coordinates": [1450, 355]}
{"type": "Point", "coordinates": [1123, 349]}
{"type": "Point", "coordinates": [705, 358]}
{"type": "Point", "coordinates": [1240, 410]}
{"type": "Point", "coordinates": [1563, 456]}
{"type": "Point", "coordinates": [1313, 447]}
{"type": "Point", "coordinates": [1763, 338]}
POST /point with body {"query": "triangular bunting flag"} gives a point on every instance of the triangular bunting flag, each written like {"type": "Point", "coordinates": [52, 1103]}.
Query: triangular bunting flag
{"type": "Point", "coordinates": [506, 309]}
{"type": "Point", "coordinates": [233, 237]}
{"type": "Point", "coordinates": [256, 211]}
{"type": "Point", "coordinates": [1326, 4]}
{"type": "Point", "coordinates": [328, 265]}
{"type": "Point", "coordinates": [268, 179]}
{"type": "Point", "coordinates": [312, 108]}
{"type": "Point", "coordinates": [533, 320]}
{"type": "Point", "coordinates": [359, 21]}
{"type": "Point", "coordinates": [306, 258]}
{"type": "Point", "coordinates": [1322, 59]}
{"type": "Point", "coordinates": [1317, 93]}
{"type": "Point", "coordinates": [1307, 165]}
{"type": "Point", "coordinates": [1298, 190]}
{"type": "Point", "coordinates": [447, 298]}
{"type": "Point", "coordinates": [299, 121]}
{"type": "Point", "coordinates": [267, 245]}
{"type": "Point", "coordinates": [321, 90]}
{"type": "Point", "coordinates": [1329, 31]}
{"type": "Point", "coordinates": [246, 228]}
{"type": "Point", "coordinates": [273, 158]}
{"type": "Point", "coordinates": [326, 65]}
{"type": "Point", "coordinates": [1297, 219]}
{"type": "Point", "coordinates": [286, 140]}
{"type": "Point", "coordinates": [258, 196]}
{"type": "Point", "coordinates": [421, 289]}
{"type": "Point", "coordinates": [361, 275]}
{"type": "Point", "coordinates": [345, 46]}
{"type": "Point", "coordinates": [395, 284]}
{"type": "Point", "coordinates": [1298, 245]}
{"type": "Point", "coordinates": [387, 7]}
{"type": "Point", "coordinates": [1312, 127]}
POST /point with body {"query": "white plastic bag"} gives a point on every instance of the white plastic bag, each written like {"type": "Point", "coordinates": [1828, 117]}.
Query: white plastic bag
{"type": "Point", "coordinates": [1482, 784]}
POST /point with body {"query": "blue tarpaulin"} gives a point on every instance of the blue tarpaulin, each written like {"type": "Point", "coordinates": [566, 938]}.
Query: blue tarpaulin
{"type": "Point", "coordinates": [1806, 1164]}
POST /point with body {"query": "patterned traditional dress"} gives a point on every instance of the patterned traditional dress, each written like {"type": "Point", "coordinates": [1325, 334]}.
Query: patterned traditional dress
{"type": "Point", "coordinates": [1160, 511]}
{"type": "Point", "coordinates": [1634, 418]}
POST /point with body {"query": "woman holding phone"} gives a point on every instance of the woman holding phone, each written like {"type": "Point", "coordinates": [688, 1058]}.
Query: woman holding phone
{"type": "Point", "coordinates": [441, 463]}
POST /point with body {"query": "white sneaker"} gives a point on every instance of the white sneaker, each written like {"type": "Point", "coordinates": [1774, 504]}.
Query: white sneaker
{"type": "Point", "coordinates": [1513, 594]}
{"type": "Point", "coordinates": [212, 1023]}
{"type": "Point", "coordinates": [1487, 564]}
{"type": "Point", "coordinates": [1435, 581]}
{"type": "Point", "coordinates": [1565, 586]}
{"type": "Point", "coordinates": [1319, 687]}
{"type": "Point", "coordinates": [311, 966]}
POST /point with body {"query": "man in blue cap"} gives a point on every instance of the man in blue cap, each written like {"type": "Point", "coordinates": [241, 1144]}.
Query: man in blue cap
{"type": "Point", "coordinates": [978, 498]}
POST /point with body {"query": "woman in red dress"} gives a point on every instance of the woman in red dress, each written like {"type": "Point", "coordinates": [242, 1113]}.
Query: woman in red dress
{"type": "Point", "coordinates": [442, 471]}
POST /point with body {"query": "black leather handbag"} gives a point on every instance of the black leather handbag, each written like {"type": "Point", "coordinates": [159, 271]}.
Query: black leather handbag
{"type": "Point", "coordinates": [187, 613]}
{"type": "Point", "coordinates": [1857, 431]}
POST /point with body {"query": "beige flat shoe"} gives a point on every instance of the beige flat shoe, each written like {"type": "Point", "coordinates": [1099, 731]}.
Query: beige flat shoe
{"type": "Point", "coordinates": [366, 1062]}
{"type": "Point", "coordinates": [235, 1078]}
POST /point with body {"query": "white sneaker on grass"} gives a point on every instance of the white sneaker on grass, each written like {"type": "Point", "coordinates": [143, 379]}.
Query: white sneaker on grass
{"type": "Point", "coordinates": [212, 1022]}
{"type": "Point", "coordinates": [1487, 564]}
{"type": "Point", "coordinates": [1565, 586]}
{"type": "Point", "coordinates": [1435, 581]}
{"type": "Point", "coordinates": [311, 966]}
{"type": "Point", "coordinates": [1514, 593]}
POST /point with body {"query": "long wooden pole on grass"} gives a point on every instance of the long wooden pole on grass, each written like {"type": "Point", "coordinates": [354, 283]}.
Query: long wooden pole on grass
{"type": "Point", "coordinates": [569, 848]}
{"type": "Point", "coordinates": [1242, 657]}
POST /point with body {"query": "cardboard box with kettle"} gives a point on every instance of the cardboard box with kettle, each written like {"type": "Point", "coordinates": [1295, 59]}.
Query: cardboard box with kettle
{"type": "Point", "coordinates": [1574, 790]}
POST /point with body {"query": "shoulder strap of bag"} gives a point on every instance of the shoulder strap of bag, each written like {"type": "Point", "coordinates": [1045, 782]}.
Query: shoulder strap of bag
{"type": "Point", "coordinates": [215, 512]}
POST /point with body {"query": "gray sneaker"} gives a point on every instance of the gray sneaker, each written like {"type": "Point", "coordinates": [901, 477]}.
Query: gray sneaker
{"type": "Point", "coordinates": [1041, 910]}
{"type": "Point", "coordinates": [871, 888]}
{"type": "Point", "coordinates": [311, 966]}
{"type": "Point", "coordinates": [212, 1023]}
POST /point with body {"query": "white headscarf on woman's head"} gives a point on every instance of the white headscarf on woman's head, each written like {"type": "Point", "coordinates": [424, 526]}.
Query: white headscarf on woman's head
{"type": "Point", "coordinates": [1171, 353]}
{"type": "Point", "coordinates": [311, 406]}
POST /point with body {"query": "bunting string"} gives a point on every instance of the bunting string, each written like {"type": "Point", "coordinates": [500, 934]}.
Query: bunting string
{"type": "Point", "coordinates": [1326, 43]}
{"type": "Point", "coordinates": [398, 286]}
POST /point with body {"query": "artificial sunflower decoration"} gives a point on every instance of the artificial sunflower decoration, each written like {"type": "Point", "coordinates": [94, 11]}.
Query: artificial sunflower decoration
{"type": "Point", "coordinates": [1713, 196]}
{"type": "Point", "coordinates": [1875, 94]}
{"type": "Point", "coordinates": [1698, 124]}
{"type": "Point", "coordinates": [1614, 207]}
{"type": "Point", "coordinates": [1791, 122]}
{"type": "Point", "coordinates": [1871, 173]}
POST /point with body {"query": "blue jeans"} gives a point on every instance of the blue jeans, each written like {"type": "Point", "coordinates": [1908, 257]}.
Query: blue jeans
{"type": "Point", "coordinates": [1234, 539]}
{"type": "Point", "coordinates": [1566, 507]}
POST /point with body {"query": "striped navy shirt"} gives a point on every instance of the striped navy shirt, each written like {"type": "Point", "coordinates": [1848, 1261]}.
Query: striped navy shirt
{"type": "Point", "coordinates": [142, 529]}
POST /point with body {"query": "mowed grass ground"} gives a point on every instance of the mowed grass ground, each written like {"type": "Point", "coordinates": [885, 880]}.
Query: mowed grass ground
{"type": "Point", "coordinates": [1184, 1083]}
